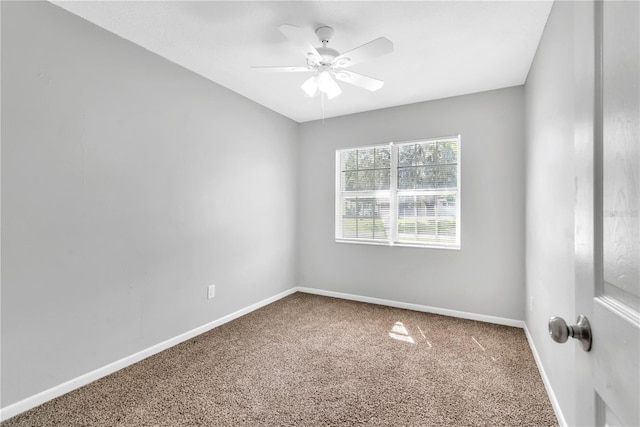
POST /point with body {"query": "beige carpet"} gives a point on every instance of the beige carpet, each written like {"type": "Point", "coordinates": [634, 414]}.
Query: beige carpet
{"type": "Point", "coordinates": [310, 360]}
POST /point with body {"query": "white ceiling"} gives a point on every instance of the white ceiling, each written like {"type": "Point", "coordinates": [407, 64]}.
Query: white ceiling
{"type": "Point", "coordinates": [442, 48]}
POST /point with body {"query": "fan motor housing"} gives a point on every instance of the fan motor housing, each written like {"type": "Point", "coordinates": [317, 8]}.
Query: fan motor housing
{"type": "Point", "coordinates": [327, 54]}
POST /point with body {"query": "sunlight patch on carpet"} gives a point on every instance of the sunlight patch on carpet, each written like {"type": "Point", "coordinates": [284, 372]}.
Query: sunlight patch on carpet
{"type": "Point", "coordinates": [400, 333]}
{"type": "Point", "coordinates": [479, 345]}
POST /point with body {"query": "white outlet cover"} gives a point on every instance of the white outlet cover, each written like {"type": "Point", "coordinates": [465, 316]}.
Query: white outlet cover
{"type": "Point", "coordinates": [211, 291]}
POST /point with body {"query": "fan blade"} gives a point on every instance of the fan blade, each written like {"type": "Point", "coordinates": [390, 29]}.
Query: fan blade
{"type": "Point", "coordinates": [299, 39]}
{"type": "Point", "coordinates": [283, 69]}
{"type": "Point", "coordinates": [359, 80]}
{"type": "Point", "coordinates": [374, 48]}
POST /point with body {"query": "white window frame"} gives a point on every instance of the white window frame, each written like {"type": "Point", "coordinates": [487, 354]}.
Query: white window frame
{"type": "Point", "coordinates": [393, 195]}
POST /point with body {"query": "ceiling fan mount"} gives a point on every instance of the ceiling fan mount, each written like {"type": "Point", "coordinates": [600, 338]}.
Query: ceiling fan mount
{"type": "Point", "coordinates": [327, 54]}
{"type": "Point", "coordinates": [324, 33]}
{"type": "Point", "coordinates": [327, 63]}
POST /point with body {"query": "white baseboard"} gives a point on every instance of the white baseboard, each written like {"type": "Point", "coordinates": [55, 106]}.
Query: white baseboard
{"type": "Point", "coordinates": [44, 396]}
{"type": "Point", "coordinates": [416, 307]}
{"type": "Point", "coordinates": [547, 385]}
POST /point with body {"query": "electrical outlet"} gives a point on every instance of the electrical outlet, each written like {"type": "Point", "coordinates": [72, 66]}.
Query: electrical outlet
{"type": "Point", "coordinates": [211, 291]}
{"type": "Point", "coordinates": [531, 304]}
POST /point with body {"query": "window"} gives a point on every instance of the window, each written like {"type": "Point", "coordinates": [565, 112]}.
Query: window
{"type": "Point", "coordinates": [400, 194]}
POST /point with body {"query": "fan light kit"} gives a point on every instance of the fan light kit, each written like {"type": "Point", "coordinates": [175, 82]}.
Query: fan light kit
{"type": "Point", "coordinates": [328, 65]}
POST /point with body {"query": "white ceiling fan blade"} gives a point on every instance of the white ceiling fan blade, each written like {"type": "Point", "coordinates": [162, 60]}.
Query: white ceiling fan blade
{"type": "Point", "coordinates": [373, 49]}
{"type": "Point", "coordinates": [284, 69]}
{"type": "Point", "coordinates": [359, 80]}
{"type": "Point", "coordinates": [299, 39]}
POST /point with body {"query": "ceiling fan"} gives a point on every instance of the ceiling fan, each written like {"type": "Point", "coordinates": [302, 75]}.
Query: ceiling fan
{"type": "Point", "coordinates": [328, 64]}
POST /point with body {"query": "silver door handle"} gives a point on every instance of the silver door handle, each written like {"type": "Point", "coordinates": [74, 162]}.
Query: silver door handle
{"type": "Point", "coordinates": [560, 331]}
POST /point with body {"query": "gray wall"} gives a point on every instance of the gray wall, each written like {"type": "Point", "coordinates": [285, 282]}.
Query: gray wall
{"type": "Point", "coordinates": [487, 275]}
{"type": "Point", "coordinates": [128, 185]}
{"type": "Point", "coordinates": [550, 199]}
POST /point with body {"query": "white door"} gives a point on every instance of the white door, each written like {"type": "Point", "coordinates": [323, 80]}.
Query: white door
{"type": "Point", "coordinates": [607, 143]}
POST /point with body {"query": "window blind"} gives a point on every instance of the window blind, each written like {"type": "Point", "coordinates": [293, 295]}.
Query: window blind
{"type": "Point", "coordinates": [365, 176]}
{"type": "Point", "coordinates": [405, 193]}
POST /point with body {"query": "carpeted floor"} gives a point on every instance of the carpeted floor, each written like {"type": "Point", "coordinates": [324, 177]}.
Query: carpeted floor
{"type": "Point", "coordinates": [310, 360]}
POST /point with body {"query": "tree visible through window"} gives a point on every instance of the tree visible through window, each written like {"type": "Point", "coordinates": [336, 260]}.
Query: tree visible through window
{"type": "Point", "coordinates": [406, 193]}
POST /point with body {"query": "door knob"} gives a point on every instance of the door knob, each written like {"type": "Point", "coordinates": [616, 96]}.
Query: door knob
{"type": "Point", "coordinates": [560, 331]}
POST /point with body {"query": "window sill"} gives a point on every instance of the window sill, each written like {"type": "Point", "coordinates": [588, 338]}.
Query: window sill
{"type": "Point", "coordinates": [400, 244]}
